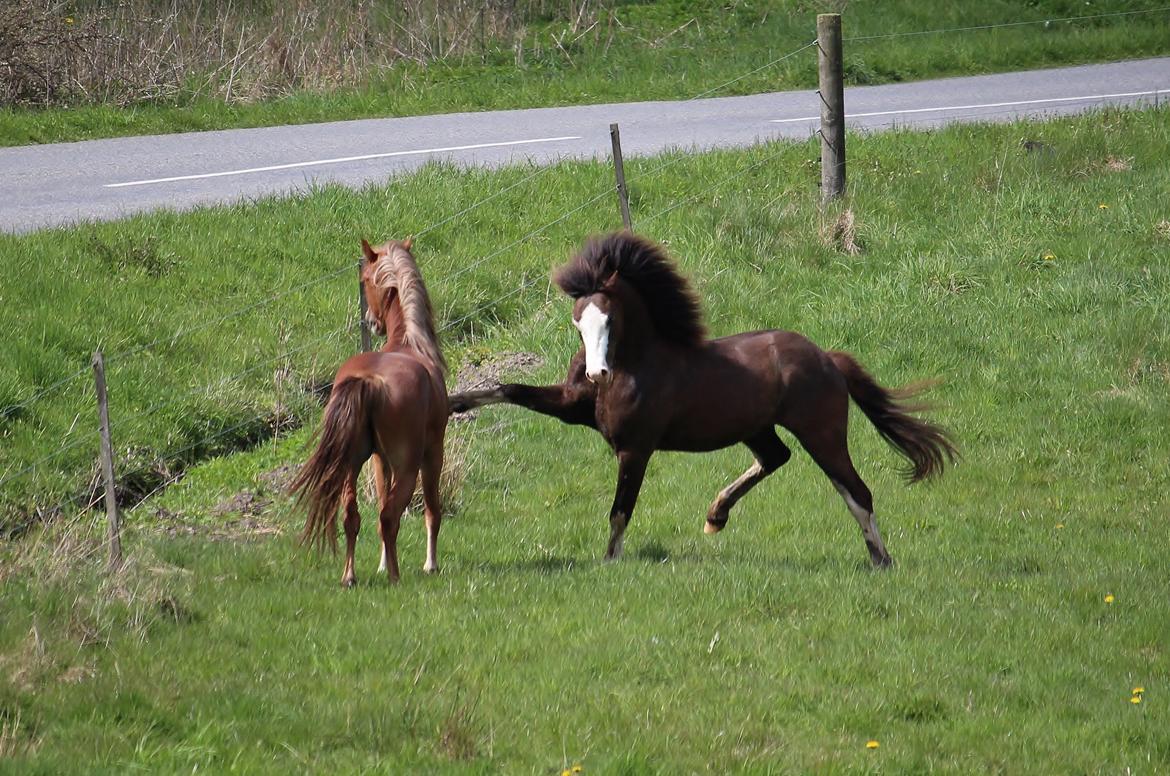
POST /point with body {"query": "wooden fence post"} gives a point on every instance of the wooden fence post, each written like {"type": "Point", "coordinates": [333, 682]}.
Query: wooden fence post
{"type": "Point", "coordinates": [832, 93]}
{"type": "Point", "coordinates": [619, 172]}
{"type": "Point", "coordinates": [115, 526]}
{"type": "Point", "coordinates": [362, 307]}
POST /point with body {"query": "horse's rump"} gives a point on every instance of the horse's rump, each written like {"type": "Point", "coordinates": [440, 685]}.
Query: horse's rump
{"type": "Point", "coordinates": [345, 441]}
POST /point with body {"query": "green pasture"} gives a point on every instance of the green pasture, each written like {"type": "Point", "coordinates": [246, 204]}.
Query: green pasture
{"type": "Point", "coordinates": [1029, 598]}
{"type": "Point", "coordinates": [655, 50]}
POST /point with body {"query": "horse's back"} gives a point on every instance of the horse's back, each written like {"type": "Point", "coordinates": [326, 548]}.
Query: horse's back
{"type": "Point", "coordinates": [774, 354]}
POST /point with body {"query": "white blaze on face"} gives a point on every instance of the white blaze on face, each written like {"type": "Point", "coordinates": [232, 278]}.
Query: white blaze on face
{"type": "Point", "coordinates": [594, 328]}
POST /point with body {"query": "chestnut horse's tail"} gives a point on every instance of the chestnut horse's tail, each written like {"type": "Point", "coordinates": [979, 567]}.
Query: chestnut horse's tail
{"type": "Point", "coordinates": [926, 446]}
{"type": "Point", "coordinates": [345, 440]}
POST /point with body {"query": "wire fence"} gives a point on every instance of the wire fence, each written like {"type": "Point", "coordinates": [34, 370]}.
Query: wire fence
{"type": "Point", "coordinates": [137, 424]}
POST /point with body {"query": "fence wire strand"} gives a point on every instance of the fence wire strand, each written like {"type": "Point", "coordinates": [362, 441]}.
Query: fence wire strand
{"type": "Point", "coordinates": [14, 408]}
{"type": "Point", "coordinates": [120, 426]}
{"type": "Point", "coordinates": [717, 184]}
{"type": "Point", "coordinates": [774, 62]}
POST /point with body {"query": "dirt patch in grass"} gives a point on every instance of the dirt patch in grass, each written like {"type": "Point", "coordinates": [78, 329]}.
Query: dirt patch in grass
{"type": "Point", "coordinates": [488, 371]}
{"type": "Point", "coordinates": [247, 520]}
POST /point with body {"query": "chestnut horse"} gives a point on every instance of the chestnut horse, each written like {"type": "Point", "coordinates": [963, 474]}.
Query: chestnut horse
{"type": "Point", "coordinates": [648, 379]}
{"type": "Point", "coordinates": [391, 406]}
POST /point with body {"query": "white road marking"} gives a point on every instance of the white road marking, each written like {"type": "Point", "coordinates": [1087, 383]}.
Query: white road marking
{"type": "Point", "coordinates": [339, 160]}
{"type": "Point", "coordinates": [978, 105]}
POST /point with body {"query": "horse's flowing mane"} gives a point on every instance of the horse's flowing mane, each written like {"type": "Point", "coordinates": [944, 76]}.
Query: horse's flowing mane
{"type": "Point", "coordinates": [642, 263]}
{"type": "Point", "coordinates": [397, 269]}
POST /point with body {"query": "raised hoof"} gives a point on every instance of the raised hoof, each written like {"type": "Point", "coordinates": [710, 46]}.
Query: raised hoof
{"type": "Point", "coordinates": [714, 526]}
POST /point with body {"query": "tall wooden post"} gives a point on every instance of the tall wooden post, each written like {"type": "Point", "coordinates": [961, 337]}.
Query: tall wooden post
{"type": "Point", "coordinates": [619, 172]}
{"type": "Point", "coordinates": [362, 307]}
{"type": "Point", "coordinates": [832, 93]}
{"type": "Point", "coordinates": [115, 524]}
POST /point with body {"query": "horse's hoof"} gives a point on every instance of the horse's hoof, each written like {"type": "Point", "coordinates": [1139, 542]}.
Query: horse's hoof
{"type": "Point", "coordinates": [430, 569]}
{"type": "Point", "coordinates": [348, 582]}
{"type": "Point", "coordinates": [883, 563]}
{"type": "Point", "coordinates": [714, 526]}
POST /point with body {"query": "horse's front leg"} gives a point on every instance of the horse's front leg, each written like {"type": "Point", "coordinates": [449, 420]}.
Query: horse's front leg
{"type": "Point", "coordinates": [567, 402]}
{"type": "Point", "coordinates": [469, 400]}
{"type": "Point", "coordinates": [631, 470]}
{"type": "Point", "coordinates": [572, 401]}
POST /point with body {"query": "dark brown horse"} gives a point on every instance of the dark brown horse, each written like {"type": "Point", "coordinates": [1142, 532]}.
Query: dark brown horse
{"type": "Point", "coordinates": [648, 379]}
{"type": "Point", "coordinates": [391, 406]}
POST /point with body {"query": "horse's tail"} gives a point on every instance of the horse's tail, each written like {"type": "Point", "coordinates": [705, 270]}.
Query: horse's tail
{"type": "Point", "coordinates": [926, 446]}
{"type": "Point", "coordinates": [345, 431]}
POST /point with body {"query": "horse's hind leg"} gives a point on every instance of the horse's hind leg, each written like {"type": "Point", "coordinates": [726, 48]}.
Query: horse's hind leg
{"type": "Point", "coordinates": [393, 505]}
{"type": "Point", "coordinates": [432, 469]}
{"type": "Point", "coordinates": [353, 523]}
{"type": "Point", "coordinates": [770, 455]}
{"type": "Point", "coordinates": [829, 448]}
{"type": "Point", "coordinates": [382, 483]}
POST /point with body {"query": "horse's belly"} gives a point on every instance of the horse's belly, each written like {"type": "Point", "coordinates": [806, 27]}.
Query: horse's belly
{"type": "Point", "coordinates": [698, 438]}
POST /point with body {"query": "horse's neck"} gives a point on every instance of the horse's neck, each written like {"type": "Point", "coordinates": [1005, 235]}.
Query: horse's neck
{"type": "Point", "coordinates": [639, 337]}
{"type": "Point", "coordinates": [395, 327]}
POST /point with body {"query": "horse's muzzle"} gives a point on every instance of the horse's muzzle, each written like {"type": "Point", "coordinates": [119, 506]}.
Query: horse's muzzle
{"type": "Point", "coordinates": [600, 377]}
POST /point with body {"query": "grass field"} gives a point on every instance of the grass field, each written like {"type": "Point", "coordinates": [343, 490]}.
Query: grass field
{"type": "Point", "coordinates": [1030, 593]}
{"type": "Point", "coordinates": [666, 49]}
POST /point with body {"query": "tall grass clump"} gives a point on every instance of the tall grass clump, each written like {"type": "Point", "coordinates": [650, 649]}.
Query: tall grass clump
{"type": "Point", "coordinates": [142, 51]}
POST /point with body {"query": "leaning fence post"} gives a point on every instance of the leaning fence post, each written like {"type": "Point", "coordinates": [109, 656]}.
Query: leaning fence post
{"type": "Point", "coordinates": [362, 307]}
{"type": "Point", "coordinates": [832, 93]}
{"type": "Point", "coordinates": [115, 527]}
{"type": "Point", "coordinates": [619, 172]}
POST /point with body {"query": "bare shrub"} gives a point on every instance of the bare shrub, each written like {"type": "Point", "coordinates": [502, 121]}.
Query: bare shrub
{"type": "Point", "coordinates": [138, 51]}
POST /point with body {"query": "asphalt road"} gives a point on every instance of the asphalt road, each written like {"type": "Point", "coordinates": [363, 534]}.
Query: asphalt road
{"type": "Point", "coordinates": [58, 184]}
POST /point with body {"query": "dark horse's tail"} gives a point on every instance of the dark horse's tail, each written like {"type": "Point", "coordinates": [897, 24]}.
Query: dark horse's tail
{"type": "Point", "coordinates": [345, 439]}
{"type": "Point", "coordinates": [926, 446]}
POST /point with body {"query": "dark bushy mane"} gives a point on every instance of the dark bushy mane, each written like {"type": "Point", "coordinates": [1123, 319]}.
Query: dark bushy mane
{"type": "Point", "coordinates": [643, 264]}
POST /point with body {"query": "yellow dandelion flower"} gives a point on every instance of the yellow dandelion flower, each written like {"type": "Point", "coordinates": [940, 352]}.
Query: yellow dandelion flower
{"type": "Point", "coordinates": [1136, 699]}
{"type": "Point", "coordinates": [1138, 690]}
{"type": "Point", "coordinates": [1060, 525]}
{"type": "Point", "coordinates": [577, 769]}
{"type": "Point", "coordinates": [68, 20]}
{"type": "Point", "coordinates": [1102, 206]}
{"type": "Point", "coordinates": [1109, 598]}
{"type": "Point", "coordinates": [566, 772]}
{"type": "Point", "coordinates": [1049, 257]}
{"type": "Point", "coordinates": [871, 744]}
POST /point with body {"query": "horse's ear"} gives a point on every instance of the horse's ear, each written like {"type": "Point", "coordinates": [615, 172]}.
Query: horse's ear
{"type": "Point", "coordinates": [408, 242]}
{"type": "Point", "coordinates": [610, 282]}
{"type": "Point", "coordinates": [368, 251]}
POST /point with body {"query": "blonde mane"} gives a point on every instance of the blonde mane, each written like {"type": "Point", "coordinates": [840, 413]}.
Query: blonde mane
{"type": "Point", "coordinates": [396, 269]}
